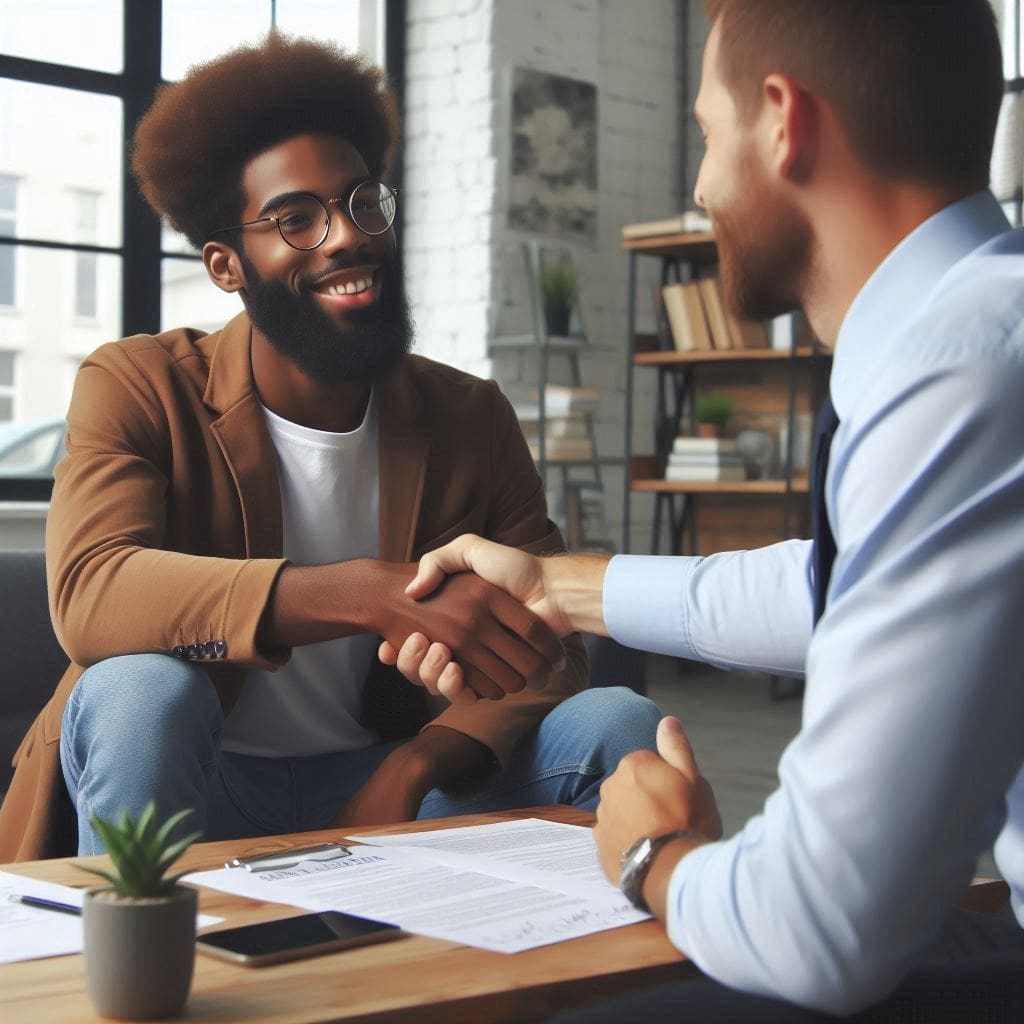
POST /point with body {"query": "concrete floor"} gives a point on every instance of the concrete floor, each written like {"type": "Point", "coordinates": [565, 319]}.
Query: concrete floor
{"type": "Point", "coordinates": [738, 733]}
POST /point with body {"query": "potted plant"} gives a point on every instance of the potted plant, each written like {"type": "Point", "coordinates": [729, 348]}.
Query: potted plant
{"type": "Point", "coordinates": [712, 412]}
{"type": "Point", "coordinates": [140, 929]}
{"type": "Point", "coordinates": [558, 296]}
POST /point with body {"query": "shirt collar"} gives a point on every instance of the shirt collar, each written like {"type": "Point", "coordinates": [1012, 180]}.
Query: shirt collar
{"type": "Point", "coordinates": [901, 288]}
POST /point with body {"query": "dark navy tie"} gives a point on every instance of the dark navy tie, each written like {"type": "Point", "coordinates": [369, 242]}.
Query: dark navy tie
{"type": "Point", "coordinates": [824, 552]}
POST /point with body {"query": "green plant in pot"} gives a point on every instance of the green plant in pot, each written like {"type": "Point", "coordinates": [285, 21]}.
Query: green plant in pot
{"type": "Point", "coordinates": [140, 929]}
{"type": "Point", "coordinates": [712, 412]}
{"type": "Point", "coordinates": [558, 294]}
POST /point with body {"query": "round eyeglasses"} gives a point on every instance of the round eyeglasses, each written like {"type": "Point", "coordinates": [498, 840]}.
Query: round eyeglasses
{"type": "Point", "coordinates": [304, 219]}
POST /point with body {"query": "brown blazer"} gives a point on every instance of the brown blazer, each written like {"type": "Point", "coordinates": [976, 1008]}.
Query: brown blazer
{"type": "Point", "coordinates": [164, 533]}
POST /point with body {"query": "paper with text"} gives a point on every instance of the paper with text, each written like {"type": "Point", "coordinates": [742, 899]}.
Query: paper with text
{"type": "Point", "coordinates": [495, 904]}
{"type": "Point", "coordinates": [29, 933]}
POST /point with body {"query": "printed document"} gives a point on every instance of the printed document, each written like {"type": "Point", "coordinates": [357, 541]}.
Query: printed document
{"type": "Point", "coordinates": [505, 887]}
{"type": "Point", "coordinates": [29, 933]}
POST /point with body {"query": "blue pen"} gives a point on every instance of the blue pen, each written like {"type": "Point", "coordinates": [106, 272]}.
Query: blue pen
{"type": "Point", "coordinates": [44, 904]}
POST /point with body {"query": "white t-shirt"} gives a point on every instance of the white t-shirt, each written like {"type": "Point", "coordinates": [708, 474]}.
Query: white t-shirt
{"type": "Point", "coordinates": [329, 505]}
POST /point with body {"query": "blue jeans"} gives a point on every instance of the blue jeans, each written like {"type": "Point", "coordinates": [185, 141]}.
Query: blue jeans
{"type": "Point", "coordinates": [148, 727]}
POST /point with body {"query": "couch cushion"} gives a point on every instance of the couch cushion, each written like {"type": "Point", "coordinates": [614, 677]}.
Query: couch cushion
{"type": "Point", "coordinates": [31, 660]}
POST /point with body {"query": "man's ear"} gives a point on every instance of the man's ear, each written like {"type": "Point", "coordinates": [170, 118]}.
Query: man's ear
{"type": "Point", "coordinates": [223, 266]}
{"type": "Point", "coordinates": [791, 126]}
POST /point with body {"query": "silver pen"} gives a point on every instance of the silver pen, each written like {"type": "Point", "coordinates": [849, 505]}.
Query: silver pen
{"type": "Point", "coordinates": [280, 859]}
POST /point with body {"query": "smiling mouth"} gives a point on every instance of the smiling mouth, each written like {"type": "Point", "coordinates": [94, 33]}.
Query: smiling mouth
{"type": "Point", "coordinates": [348, 287]}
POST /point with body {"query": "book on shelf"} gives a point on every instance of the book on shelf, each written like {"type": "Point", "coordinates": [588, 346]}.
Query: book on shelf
{"type": "Point", "coordinates": [686, 443]}
{"type": "Point", "coordinates": [704, 474]}
{"type": "Point", "coordinates": [687, 321]}
{"type": "Point", "coordinates": [729, 331]}
{"type": "Point", "coordinates": [562, 400]}
{"type": "Point", "coordinates": [714, 308]}
{"type": "Point", "coordinates": [574, 425]}
{"type": "Point", "coordinates": [682, 223]}
{"type": "Point", "coordinates": [563, 449]}
{"type": "Point", "coordinates": [705, 459]}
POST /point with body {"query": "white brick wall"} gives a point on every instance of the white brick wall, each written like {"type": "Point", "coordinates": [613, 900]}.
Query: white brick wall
{"type": "Point", "coordinates": [462, 266]}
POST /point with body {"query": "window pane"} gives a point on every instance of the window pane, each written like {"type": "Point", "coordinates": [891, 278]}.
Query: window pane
{"type": "Point", "coordinates": [8, 272]}
{"type": "Point", "coordinates": [62, 142]}
{"type": "Point", "coordinates": [191, 299]}
{"type": "Point", "coordinates": [82, 33]}
{"type": "Point", "coordinates": [8, 196]}
{"type": "Point", "coordinates": [335, 20]}
{"type": "Point", "coordinates": [6, 371]}
{"type": "Point", "coordinates": [86, 281]}
{"type": "Point", "coordinates": [196, 30]}
{"type": "Point", "coordinates": [46, 334]}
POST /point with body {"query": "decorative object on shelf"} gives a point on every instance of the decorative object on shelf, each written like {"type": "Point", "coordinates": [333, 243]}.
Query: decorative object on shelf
{"type": "Point", "coordinates": [712, 412]}
{"type": "Point", "coordinates": [140, 929]}
{"type": "Point", "coordinates": [758, 451]}
{"type": "Point", "coordinates": [558, 289]}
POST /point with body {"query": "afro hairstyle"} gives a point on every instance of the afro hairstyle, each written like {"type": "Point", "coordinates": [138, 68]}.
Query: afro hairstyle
{"type": "Point", "coordinates": [192, 144]}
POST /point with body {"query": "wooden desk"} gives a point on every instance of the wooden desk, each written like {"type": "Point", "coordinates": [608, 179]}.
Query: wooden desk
{"type": "Point", "coordinates": [414, 979]}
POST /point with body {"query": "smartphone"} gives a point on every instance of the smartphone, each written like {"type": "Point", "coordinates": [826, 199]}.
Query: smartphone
{"type": "Point", "coordinates": [291, 938]}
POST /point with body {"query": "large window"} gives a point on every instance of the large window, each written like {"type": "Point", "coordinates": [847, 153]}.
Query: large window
{"type": "Point", "coordinates": [82, 258]}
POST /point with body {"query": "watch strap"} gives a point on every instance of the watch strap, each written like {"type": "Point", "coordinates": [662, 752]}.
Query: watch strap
{"type": "Point", "coordinates": [635, 868]}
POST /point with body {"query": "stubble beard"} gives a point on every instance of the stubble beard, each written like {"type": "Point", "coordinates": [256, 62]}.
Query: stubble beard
{"type": "Point", "coordinates": [369, 344]}
{"type": "Point", "coordinates": [765, 249]}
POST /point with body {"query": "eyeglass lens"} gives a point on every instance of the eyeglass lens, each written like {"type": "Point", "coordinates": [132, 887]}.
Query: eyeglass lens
{"type": "Point", "coordinates": [303, 220]}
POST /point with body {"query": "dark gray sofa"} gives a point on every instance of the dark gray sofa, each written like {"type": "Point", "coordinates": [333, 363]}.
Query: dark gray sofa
{"type": "Point", "coordinates": [31, 660]}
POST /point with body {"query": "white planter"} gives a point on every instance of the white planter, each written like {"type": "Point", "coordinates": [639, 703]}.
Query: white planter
{"type": "Point", "coordinates": [139, 953]}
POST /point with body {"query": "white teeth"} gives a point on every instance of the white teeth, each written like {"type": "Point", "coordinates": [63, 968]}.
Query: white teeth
{"type": "Point", "coordinates": [352, 288]}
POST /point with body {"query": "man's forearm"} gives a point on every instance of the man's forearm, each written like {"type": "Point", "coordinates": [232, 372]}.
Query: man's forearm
{"type": "Point", "coordinates": [575, 585]}
{"type": "Point", "coordinates": [314, 603]}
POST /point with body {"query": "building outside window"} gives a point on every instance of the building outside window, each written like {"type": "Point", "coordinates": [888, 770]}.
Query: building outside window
{"type": "Point", "coordinates": [87, 215]}
{"type": "Point", "coordinates": [8, 226]}
{"type": "Point", "coordinates": [6, 386]}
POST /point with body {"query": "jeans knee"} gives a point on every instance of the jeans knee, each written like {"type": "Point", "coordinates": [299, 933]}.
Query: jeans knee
{"type": "Point", "coordinates": [619, 715]}
{"type": "Point", "coordinates": [151, 693]}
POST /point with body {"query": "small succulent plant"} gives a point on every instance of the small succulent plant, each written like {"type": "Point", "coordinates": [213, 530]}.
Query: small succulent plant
{"type": "Point", "coordinates": [142, 852]}
{"type": "Point", "coordinates": [713, 408]}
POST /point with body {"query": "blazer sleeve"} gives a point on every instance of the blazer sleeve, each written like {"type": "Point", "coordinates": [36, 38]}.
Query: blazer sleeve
{"type": "Point", "coordinates": [117, 586]}
{"type": "Point", "coordinates": [517, 516]}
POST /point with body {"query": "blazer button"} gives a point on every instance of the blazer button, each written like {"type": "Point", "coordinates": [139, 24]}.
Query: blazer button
{"type": "Point", "coordinates": [220, 649]}
{"type": "Point", "coordinates": [209, 649]}
{"type": "Point", "coordinates": [181, 651]}
{"type": "Point", "coordinates": [195, 652]}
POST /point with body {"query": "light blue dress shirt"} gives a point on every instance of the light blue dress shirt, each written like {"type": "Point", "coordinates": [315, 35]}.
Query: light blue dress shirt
{"type": "Point", "coordinates": [908, 763]}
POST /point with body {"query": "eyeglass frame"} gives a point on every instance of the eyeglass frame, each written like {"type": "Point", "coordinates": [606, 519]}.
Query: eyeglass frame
{"type": "Point", "coordinates": [326, 205]}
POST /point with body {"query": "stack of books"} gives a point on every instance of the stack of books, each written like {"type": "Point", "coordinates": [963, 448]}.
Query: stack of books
{"type": "Point", "coordinates": [680, 224]}
{"type": "Point", "coordinates": [699, 321]}
{"type": "Point", "coordinates": [567, 433]}
{"type": "Point", "coordinates": [705, 459]}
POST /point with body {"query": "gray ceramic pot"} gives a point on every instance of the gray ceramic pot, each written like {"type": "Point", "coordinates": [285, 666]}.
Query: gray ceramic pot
{"type": "Point", "coordinates": [139, 953]}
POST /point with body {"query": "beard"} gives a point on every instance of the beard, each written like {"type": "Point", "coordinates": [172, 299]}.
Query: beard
{"type": "Point", "coordinates": [371, 342]}
{"type": "Point", "coordinates": [765, 249]}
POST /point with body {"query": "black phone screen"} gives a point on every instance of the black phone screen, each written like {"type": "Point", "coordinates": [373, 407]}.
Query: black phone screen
{"type": "Point", "coordinates": [292, 934]}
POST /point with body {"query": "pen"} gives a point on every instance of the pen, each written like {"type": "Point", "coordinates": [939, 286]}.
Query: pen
{"type": "Point", "coordinates": [44, 904]}
{"type": "Point", "coordinates": [281, 859]}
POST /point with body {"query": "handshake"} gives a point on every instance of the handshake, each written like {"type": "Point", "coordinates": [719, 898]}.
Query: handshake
{"type": "Point", "coordinates": [517, 642]}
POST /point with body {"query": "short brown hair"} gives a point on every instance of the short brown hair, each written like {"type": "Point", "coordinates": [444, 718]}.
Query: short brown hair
{"type": "Point", "coordinates": [191, 145]}
{"type": "Point", "coordinates": [917, 84]}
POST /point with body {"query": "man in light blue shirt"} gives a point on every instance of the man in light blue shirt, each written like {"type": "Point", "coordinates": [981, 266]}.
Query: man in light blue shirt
{"type": "Point", "coordinates": [845, 172]}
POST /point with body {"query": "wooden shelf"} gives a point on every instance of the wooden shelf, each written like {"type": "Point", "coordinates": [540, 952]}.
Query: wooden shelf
{"type": "Point", "coordinates": [695, 246]}
{"type": "Point", "coordinates": [661, 357]}
{"type": "Point", "coordinates": [659, 486]}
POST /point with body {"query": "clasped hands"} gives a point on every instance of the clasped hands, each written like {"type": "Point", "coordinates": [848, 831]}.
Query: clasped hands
{"type": "Point", "coordinates": [529, 625]}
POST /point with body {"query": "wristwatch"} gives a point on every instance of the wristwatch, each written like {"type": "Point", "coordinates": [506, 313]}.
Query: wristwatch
{"type": "Point", "coordinates": [636, 862]}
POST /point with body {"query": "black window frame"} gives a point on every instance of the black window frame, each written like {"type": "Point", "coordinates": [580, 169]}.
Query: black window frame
{"type": "Point", "coordinates": [140, 251]}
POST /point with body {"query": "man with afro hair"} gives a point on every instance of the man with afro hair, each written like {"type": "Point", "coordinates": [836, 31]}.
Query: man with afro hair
{"type": "Point", "coordinates": [233, 527]}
